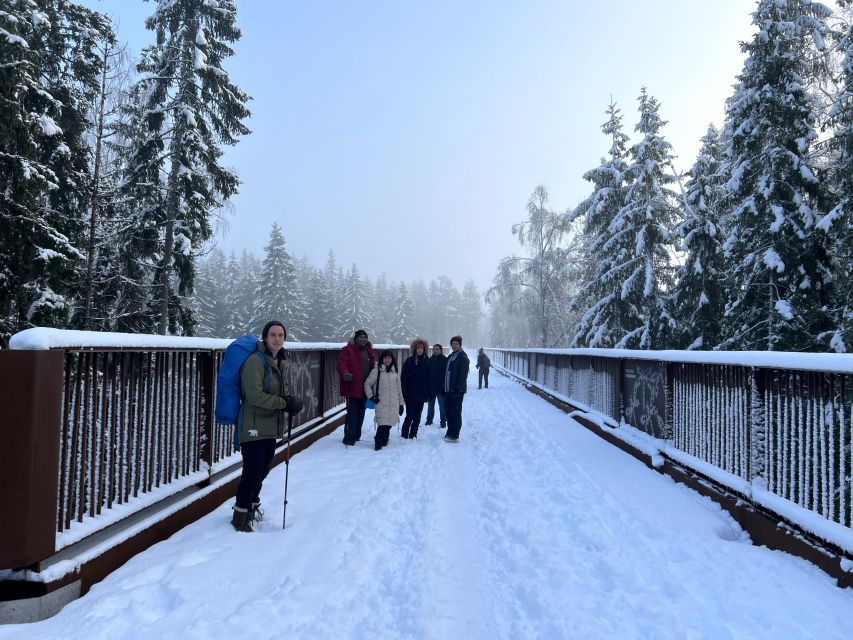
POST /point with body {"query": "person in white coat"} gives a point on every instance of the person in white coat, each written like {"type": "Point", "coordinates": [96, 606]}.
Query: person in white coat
{"type": "Point", "coordinates": [384, 383]}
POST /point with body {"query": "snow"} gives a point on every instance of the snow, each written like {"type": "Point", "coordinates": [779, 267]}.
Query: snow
{"type": "Point", "coordinates": [559, 535]}
{"type": "Point", "coordinates": [783, 308]}
{"type": "Point", "coordinates": [48, 125]}
{"type": "Point", "coordinates": [773, 260]}
{"type": "Point", "coordinates": [829, 362]}
{"type": "Point", "coordinates": [47, 338]}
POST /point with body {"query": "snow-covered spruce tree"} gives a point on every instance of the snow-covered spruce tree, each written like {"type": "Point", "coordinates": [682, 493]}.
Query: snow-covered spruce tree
{"type": "Point", "coordinates": [383, 309]}
{"type": "Point", "coordinates": [471, 312]}
{"type": "Point", "coordinates": [838, 223]}
{"type": "Point", "coordinates": [48, 77]}
{"type": "Point", "coordinates": [699, 297]}
{"type": "Point", "coordinates": [604, 316]}
{"type": "Point", "coordinates": [353, 312]}
{"type": "Point", "coordinates": [185, 109]}
{"type": "Point", "coordinates": [402, 331]}
{"type": "Point", "coordinates": [781, 270]}
{"type": "Point", "coordinates": [276, 288]}
{"type": "Point", "coordinates": [242, 277]}
{"type": "Point", "coordinates": [637, 246]}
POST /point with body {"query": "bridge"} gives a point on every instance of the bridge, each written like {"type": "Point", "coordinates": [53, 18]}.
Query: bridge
{"type": "Point", "coordinates": [555, 517]}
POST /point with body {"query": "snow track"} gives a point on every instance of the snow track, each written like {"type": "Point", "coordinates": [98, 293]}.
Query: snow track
{"type": "Point", "coordinates": [530, 527]}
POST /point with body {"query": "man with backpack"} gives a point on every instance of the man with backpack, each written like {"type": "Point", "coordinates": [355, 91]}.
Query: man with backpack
{"type": "Point", "coordinates": [262, 419]}
{"type": "Point", "coordinates": [355, 363]}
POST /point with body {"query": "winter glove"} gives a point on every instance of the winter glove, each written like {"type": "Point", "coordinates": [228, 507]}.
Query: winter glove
{"type": "Point", "coordinates": [347, 377]}
{"type": "Point", "coordinates": [401, 409]}
{"type": "Point", "coordinates": [294, 405]}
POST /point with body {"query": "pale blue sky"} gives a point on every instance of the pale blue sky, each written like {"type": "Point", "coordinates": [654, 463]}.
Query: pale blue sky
{"type": "Point", "coordinates": [426, 126]}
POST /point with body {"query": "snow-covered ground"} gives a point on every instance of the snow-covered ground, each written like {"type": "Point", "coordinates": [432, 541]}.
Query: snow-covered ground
{"type": "Point", "coordinates": [530, 527]}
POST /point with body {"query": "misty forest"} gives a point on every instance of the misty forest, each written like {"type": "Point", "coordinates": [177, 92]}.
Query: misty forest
{"type": "Point", "coordinates": [114, 189]}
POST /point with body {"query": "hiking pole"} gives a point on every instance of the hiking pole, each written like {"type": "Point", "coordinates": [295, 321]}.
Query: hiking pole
{"type": "Point", "coordinates": [287, 466]}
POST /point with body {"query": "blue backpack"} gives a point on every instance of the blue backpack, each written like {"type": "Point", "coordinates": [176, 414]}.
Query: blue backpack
{"type": "Point", "coordinates": [229, 395]}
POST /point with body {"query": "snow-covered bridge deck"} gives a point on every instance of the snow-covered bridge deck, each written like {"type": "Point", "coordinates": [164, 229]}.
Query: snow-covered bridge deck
{"type": "Point", "coordinates": [531, 527]}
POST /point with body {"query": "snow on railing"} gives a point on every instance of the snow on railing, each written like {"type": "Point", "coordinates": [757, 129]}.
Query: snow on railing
{"type": "Point", "coordinates": [775, 427]}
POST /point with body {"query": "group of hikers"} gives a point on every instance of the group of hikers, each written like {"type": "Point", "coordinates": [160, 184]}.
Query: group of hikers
{"type": "Point", "coordinates": [424, 380]}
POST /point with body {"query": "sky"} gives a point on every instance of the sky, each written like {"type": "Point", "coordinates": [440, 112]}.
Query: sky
{"type": "Point", "coordinates": [592, 545]}
{"type": "Point", "coordinates": [408, 137]}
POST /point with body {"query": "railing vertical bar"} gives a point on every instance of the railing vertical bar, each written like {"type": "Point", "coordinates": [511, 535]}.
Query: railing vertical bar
{"type": "Point", "coordinates": [84, 445]}
{"type": "Point", "coordinates": [65, 443]}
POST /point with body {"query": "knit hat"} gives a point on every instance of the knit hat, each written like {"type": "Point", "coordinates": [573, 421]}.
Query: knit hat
{"type": "Point", "coordinates": [360, 332]}
{"type": "Point", "coordinates": [269, 325]}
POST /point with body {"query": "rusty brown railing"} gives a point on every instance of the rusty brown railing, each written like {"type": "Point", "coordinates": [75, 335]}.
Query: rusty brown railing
{"type": "Point", "coordinates": [100, 431]}
{"type": "Point", "coordinates": [776, 428]}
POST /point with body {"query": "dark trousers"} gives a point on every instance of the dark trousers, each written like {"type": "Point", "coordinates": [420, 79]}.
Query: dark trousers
{"type": "Point", "coordinates": [413, 419]}
{"type": "Point", "coordinates": [441, 410]}
{"type": "Point", "coordinates": [383, 431]}
{"type": "Point", "coordinates": [453, 404]}
{"type": "Point", "coordinates": [354, 419]}
{"type": "Point", "coordinates": [257, 456]}
{"type": "Point", "coordinates": [483, 374]}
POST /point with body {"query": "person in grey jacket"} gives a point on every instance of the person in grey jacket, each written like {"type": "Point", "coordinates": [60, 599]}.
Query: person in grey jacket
{"type": "Point", "coordinates": [262, 420]}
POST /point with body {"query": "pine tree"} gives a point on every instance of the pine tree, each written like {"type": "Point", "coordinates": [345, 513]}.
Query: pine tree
{"type": "Point", "coordinates": [48, 75]}
{"type": "Point", "coordinates": [242, 276]}
{"type": "Point", "coordinates": [184, 109]}
{"type": "Point", "coordinates": [838, 223]}
{"type": "Point", "coordinates": [644, 233]}
{"type": "Point", "coordinates": [354, 313]}
{"type": "Point", "coordinates": [276, 292]}
{"type": "Point", "coordinates": [699, 296]}
{"type": "Point", "coordinates": [605, 316]}
{"type": "Point", "coordinates": [471, 312]}
{"type": "Point", "coordinates": [402, 331]}
{"type": "Point", "coordinates": [384, 314]}
{"type": "Point", "coordinates": [781, 270]}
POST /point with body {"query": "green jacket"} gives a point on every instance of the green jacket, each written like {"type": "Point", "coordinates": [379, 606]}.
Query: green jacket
{"type": "Point", "coordinates": [262, 412]}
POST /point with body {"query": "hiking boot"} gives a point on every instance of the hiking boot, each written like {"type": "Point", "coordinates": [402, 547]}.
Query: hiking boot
{"type": "Point", "coordinates": [428, 424]}
{"type": "Point", "coordinates": [242, 520]}
{"type": "Point", "coordinates": [449, 439]}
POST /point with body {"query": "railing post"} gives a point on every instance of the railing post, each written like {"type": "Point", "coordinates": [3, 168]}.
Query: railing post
{"type": "Point", "coordinates": [31, 398]}
{"type": "Point", "coordinates": [321, 388]}
{"type": "Point", "coordinates": [759, 386]}
{"type": "Point", "coordinates": [207, 385]}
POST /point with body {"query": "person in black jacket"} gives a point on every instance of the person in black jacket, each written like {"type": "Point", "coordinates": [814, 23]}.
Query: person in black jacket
{"type": "Point", "coordinates": [483, 364]}
{"type": "Point", "coordinates": [414, 380]}
{"type": "Point", "coordinates": [437, 368]}
{"type": "Point", "coordinates": [455, 386]}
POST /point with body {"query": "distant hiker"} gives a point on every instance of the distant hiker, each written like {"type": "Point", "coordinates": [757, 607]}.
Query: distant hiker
{"type": "Point", "coordinates": [483, 364]}
{"type": "Point", "coordinates": [437, 369]}
{"type": "Point", "coordinates": [384, 383]}
{"type": "Point", "coordinates": [355, 362]}
{"type": "Point", "coordinates": [455, 386]}
{"type": "Point", "coordinates": [262, 420]}
{"type": "Point", "coordinates": [415, 384]}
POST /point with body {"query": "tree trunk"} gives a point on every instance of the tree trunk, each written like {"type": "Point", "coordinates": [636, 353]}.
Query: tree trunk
{"type": "Point", "coordinates": [93, 217]}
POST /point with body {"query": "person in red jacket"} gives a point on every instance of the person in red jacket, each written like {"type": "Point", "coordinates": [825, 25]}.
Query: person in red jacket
{"type": "Point", "coordinates": [355, 363]}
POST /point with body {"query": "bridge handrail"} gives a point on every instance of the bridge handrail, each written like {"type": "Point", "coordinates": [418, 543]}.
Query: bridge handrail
{"type": "Point", "coordinates": [102, 426]}
{"type": "Point", "coordinates": [774, 427]}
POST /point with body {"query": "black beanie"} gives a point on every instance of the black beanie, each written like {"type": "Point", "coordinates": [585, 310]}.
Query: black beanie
{"type": "Point", "coordinates": [269, 325]}
{"type": "Point", "coordinates": [360, 332]}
